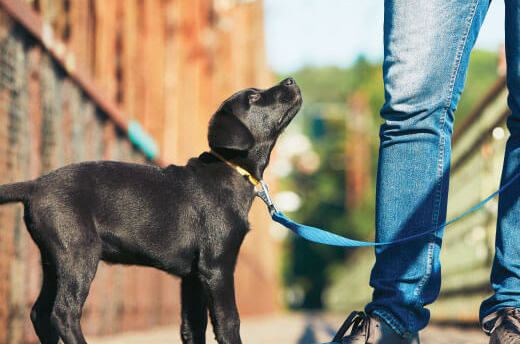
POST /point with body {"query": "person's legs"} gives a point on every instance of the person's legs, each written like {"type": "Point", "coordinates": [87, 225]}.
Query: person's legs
{"type": "Point", "coordinates": [427, 48]}
{"type": "Point", "coordinates": [505, 275]}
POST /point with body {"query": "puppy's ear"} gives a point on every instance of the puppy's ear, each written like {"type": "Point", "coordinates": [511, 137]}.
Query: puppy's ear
{"type": "Point", "coordinates": [227, 131]}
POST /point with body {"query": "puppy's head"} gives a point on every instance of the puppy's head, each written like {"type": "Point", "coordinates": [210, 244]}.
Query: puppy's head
{"type": "Point", "coordinates": [254, 117]}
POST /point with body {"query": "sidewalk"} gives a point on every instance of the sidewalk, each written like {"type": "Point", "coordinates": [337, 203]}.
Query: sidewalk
{"type": "Point", "coordinates": [292, 329]}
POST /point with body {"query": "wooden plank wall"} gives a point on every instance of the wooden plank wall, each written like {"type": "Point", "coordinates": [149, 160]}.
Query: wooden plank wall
{"type": "Point", "coordinates": [168, 64]}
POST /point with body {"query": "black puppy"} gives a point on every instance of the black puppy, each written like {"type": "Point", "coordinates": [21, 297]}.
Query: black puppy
{"type": "Point", "coordinates": [186, 220]}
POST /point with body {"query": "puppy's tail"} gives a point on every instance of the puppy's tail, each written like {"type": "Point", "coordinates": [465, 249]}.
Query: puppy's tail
{"type": "Point", "coordinates": [17, 192]}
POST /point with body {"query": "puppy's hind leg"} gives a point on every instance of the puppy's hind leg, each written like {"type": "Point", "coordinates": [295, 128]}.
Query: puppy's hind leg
{"type": "Point", "coordinates": [194, 311]}
{"type": "Point", "coordinates": [41, 311]}
{"type": "Point", "coordinates": [75, 272]}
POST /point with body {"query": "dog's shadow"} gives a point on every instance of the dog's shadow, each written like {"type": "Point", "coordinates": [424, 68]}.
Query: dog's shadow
{"type": "Point", "coordinates": [308, 336]}
{"type": "Point", "coordinates": [312, 326]}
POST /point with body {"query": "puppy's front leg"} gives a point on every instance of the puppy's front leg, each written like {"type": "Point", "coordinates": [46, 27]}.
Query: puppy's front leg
{"type": "Point", "coordinates": [194, 311]}
{"type": "Point", "coordinates": [220, 289]}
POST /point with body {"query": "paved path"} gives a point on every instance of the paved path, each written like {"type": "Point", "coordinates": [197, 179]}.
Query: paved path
{"type": "Point", "coordinates": [292, 329]}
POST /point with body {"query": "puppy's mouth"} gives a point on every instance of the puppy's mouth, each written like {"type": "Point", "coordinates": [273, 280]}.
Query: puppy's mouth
{"type": "Point", "coordinates": [292, 111]}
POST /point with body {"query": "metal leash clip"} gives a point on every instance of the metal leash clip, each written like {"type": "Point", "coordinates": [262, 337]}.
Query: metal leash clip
{"type": "Point", "coordinates": [264, 195]}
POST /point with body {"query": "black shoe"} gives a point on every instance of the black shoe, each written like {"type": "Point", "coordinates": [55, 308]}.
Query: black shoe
{"type": "Point", "coordinates": [503, 327]}
{"type": "Point", "coordinates": [370, 329]}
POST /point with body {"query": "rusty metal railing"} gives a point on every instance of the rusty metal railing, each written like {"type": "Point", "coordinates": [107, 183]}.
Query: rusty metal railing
{"type": "Point", "coordinates": [490, 97]}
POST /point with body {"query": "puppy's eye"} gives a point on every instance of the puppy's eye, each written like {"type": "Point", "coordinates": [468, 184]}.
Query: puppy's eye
{"type": "Point", "coordinates": [253, 97]}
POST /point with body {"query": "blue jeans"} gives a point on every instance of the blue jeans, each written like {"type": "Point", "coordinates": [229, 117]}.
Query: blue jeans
{"type": "Point", "coordinates": [427, 44]}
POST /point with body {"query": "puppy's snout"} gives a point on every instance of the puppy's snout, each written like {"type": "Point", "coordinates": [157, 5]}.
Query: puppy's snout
{"type": "Point", "coordinates": [289, 82]}
{"type": "Point", "coordinates": [291, 85]}
{"type": "Point", "coordinates": [287, 91]}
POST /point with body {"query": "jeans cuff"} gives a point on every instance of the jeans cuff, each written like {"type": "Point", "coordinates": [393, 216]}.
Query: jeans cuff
{"type": "Point", "coordinates": [392, 322]}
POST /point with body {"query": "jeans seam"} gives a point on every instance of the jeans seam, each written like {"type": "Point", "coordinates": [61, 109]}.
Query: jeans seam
{"type": "Point", "coordinates": [392, 322]}
{"type": "Point", "coordinates": [440, 175]}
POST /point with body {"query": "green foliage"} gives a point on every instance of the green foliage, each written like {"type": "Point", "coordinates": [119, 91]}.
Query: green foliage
{"type": "Point", "coordinates": [334, 84]}
{"type": "Point", "coordinates": [311, 268]}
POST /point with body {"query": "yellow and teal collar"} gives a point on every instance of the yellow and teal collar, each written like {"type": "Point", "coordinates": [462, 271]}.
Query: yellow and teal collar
{"type": "Point", "coordinates": [261, 188]}
{"type": "Point", "coordinates": [239, 169]}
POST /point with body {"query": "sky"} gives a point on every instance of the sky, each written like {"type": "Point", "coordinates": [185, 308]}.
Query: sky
{"type": "Point", "coordinates": [337, 32]}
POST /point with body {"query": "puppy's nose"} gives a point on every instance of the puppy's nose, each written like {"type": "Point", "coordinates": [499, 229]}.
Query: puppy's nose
{"type": "Point", "coordinates": [289, 82]}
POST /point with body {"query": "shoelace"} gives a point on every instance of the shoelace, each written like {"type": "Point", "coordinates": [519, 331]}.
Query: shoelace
{"type": "Point", "coordinates": [356, 320]}
{"type": "Point", "coordinates": [511, 315]}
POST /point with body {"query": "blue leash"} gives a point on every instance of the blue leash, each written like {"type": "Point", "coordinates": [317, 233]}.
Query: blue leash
{"type": "Point", "coordinates": [321, 236]}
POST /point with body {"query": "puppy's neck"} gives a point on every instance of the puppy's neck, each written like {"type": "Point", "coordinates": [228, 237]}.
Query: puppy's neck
{"type": "Point", "coordinates": [254, 161]}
